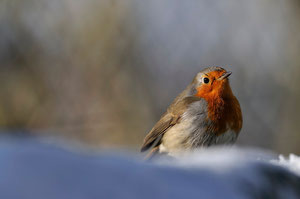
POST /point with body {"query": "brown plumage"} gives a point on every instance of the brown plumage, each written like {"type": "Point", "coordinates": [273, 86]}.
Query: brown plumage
{"type": "Point", "coordinates": [206, 113]}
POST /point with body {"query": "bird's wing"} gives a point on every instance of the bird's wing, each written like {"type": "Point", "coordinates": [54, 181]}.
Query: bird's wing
{"type": "Point", "coordinates": [169, 119]}
{"type": "Point", "coordinates": [166, 121]}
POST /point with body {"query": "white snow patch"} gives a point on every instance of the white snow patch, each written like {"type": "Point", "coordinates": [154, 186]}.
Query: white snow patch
{"type": "Point", "coordinates": [292, 162]}
{"type": "Point", "coordinates": [217, 158]}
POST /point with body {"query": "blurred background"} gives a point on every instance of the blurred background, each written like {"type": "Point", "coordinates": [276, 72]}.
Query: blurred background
{"type": "Point", "coordinates": [102, 72]}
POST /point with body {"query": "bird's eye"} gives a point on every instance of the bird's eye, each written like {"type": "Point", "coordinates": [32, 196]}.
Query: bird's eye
{"type": "Point", "coordinates": [206, 80]}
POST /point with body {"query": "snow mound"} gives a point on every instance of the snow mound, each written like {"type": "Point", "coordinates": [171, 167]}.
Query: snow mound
{"type": "Point", "coordinates": [292, 163]}
{"type": "Point", "coordinates": [32, 169]}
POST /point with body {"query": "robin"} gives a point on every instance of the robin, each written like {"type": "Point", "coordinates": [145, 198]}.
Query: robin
{"type": "Point", "coordinates": [206, 113]}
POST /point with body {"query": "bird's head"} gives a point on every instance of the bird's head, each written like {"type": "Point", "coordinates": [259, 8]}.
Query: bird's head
{"type": "Point", "coordinates": [212, 82]}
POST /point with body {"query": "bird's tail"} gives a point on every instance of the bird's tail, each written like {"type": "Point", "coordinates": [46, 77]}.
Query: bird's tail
{"type": "Point", "coordinates": [154, 152]}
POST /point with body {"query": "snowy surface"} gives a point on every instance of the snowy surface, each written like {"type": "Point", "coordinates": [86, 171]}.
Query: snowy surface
{"type": "Point", "coordinates": [292, 163]}
{"type": "Point", "coordinates": [33, 169]}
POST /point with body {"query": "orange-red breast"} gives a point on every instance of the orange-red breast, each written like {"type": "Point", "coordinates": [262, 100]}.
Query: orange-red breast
{"type": "Point", "coordinates": [206, 113]}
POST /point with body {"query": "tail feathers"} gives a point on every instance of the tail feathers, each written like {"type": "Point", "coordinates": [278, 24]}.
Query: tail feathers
{"type": "Point", "coordinates": [154, 152]}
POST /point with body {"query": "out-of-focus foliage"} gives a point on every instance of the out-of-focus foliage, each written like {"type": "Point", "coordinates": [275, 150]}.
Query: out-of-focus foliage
{"type": "Point", "coordinates": [102, 72]}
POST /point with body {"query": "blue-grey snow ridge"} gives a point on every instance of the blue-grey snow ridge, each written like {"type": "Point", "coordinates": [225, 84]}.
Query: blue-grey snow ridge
{"type": "Point", "coordinates": [31, 169]}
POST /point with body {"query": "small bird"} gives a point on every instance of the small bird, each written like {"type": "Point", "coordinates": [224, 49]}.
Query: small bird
{"type": "Point", "coordinates": [206, 113]}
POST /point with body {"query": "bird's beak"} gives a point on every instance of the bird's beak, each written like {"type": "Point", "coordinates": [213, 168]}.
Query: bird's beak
{"type": "Point", "coordinates": [225, 75]}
